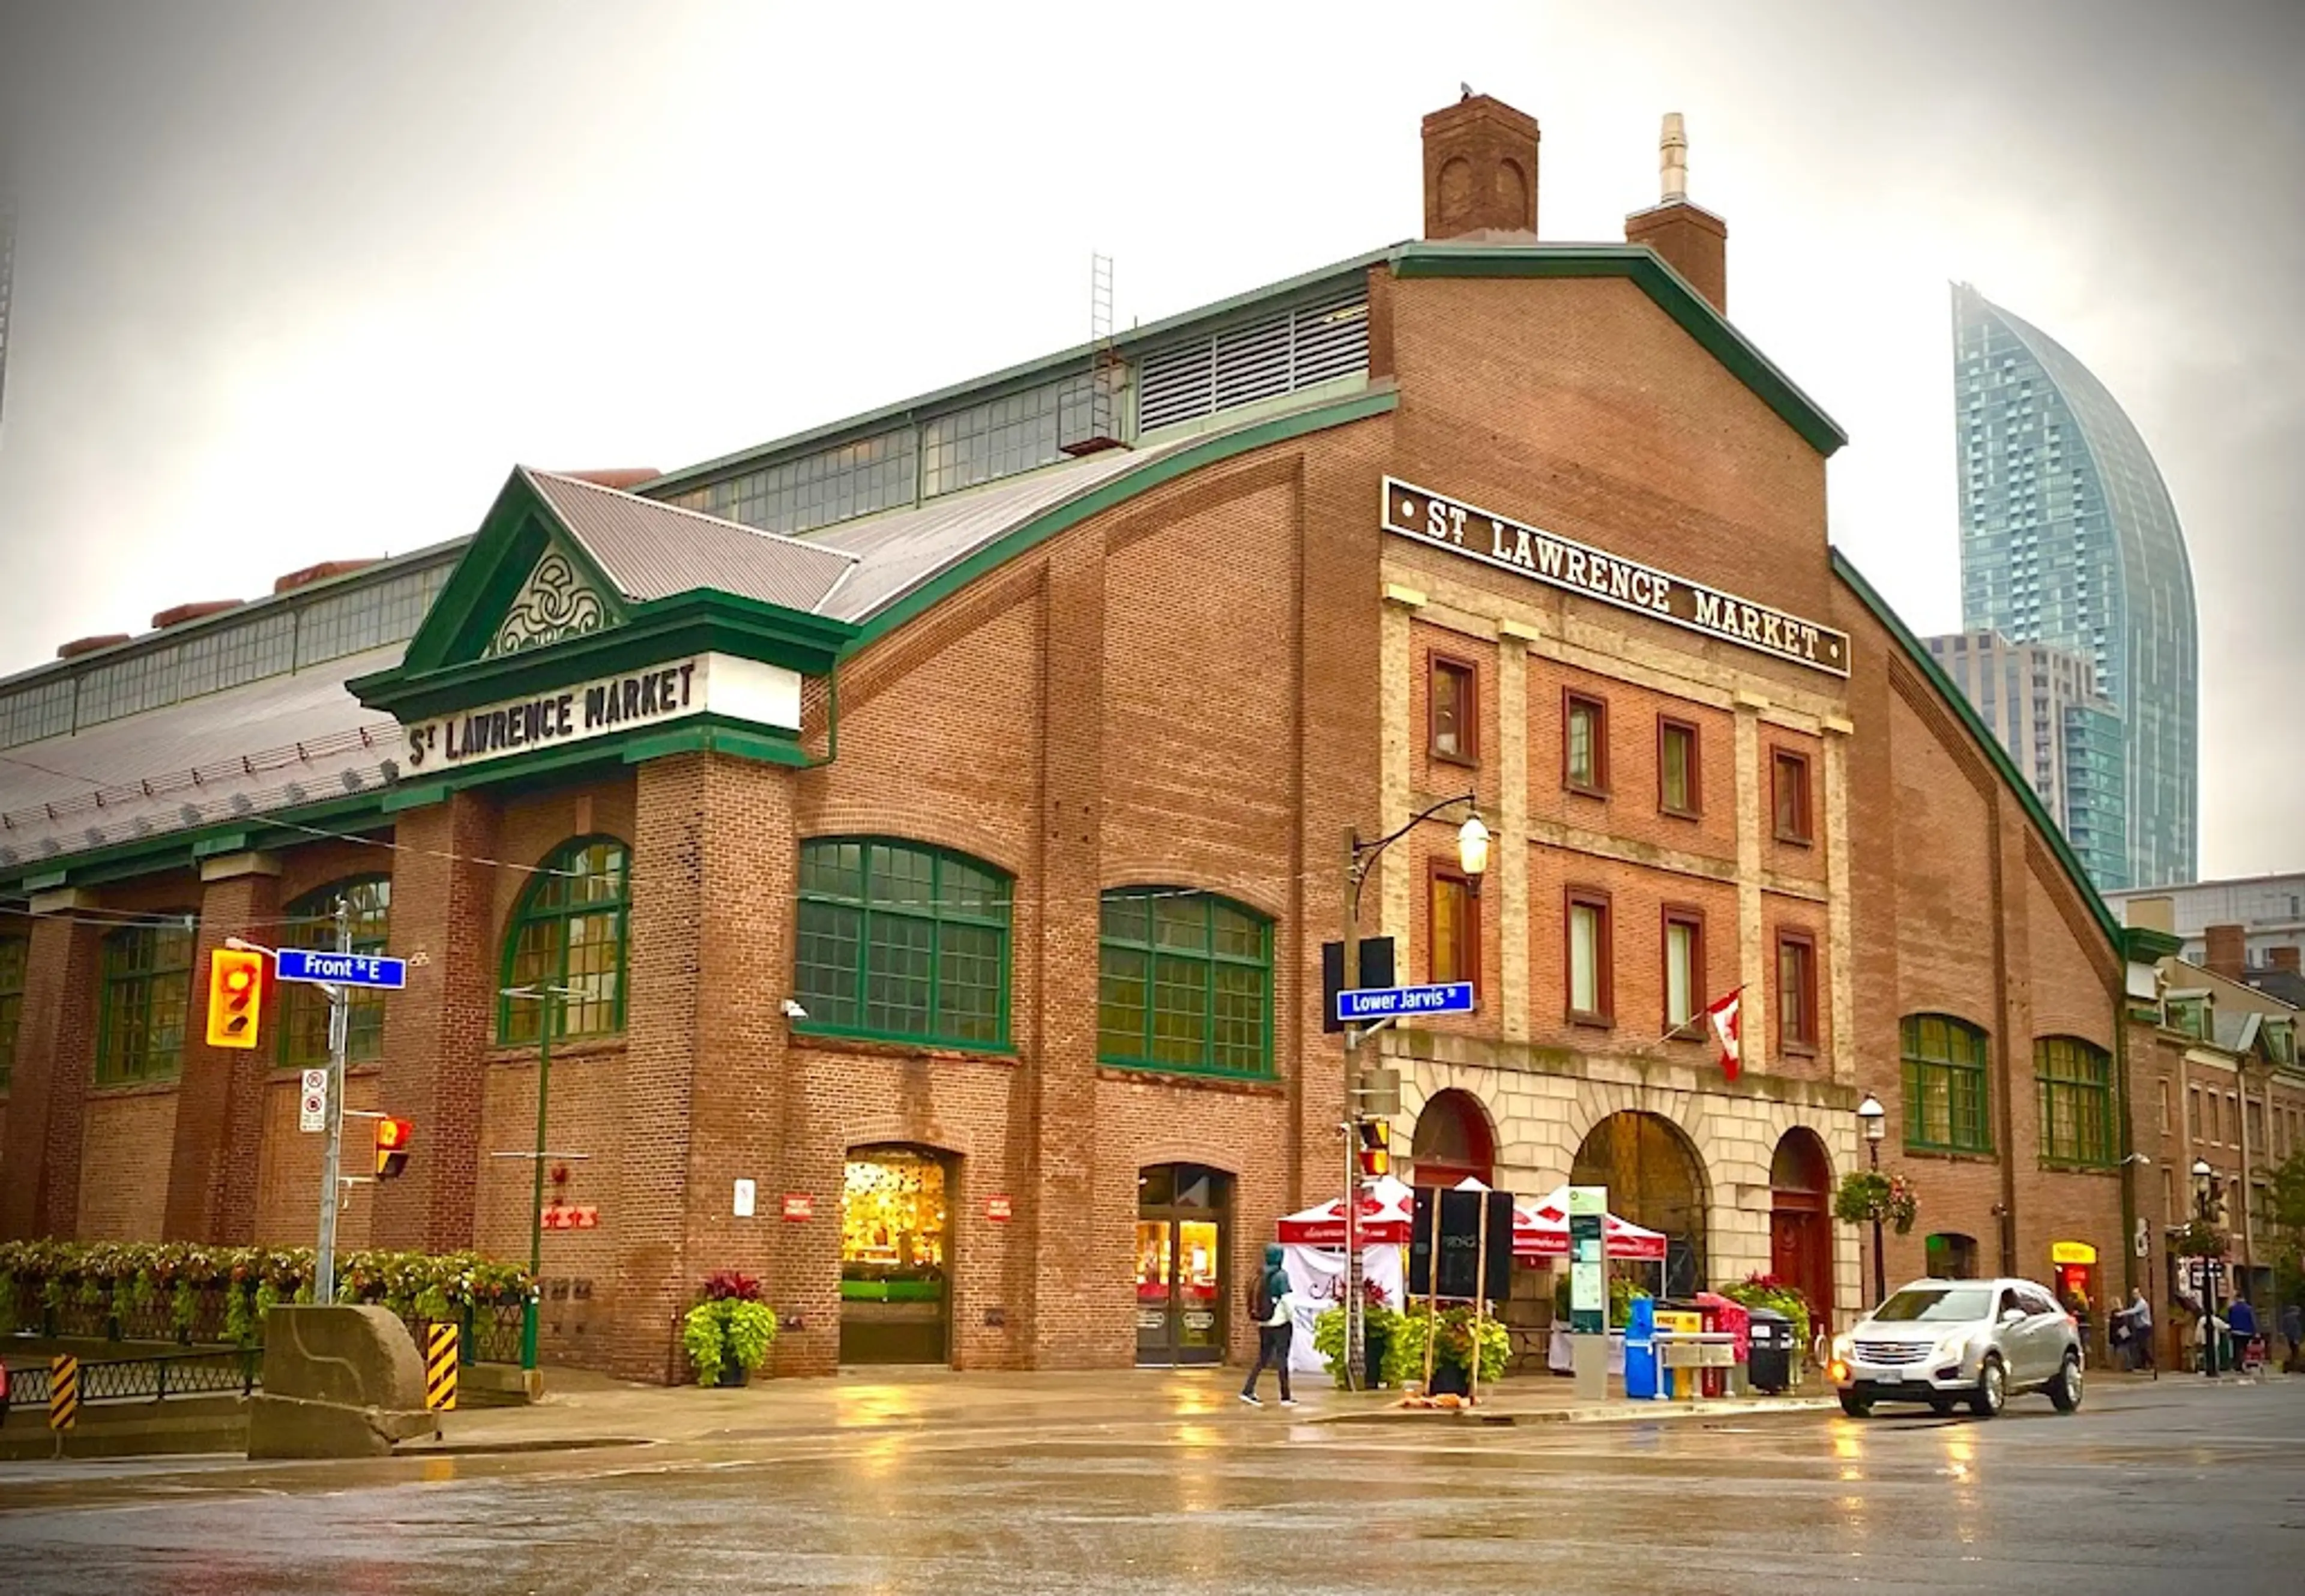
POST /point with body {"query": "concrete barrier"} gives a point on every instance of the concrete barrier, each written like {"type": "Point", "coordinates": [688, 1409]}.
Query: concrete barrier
{"type": "Point", "coordinates": [338, 1382]}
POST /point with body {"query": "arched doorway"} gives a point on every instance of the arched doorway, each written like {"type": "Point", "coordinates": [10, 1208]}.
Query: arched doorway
{"type": "Point", "coordinates": [1800, 1227]}
{"type": "Point", "coordinates": [1655, 1179]}
{"type": "Point", "coordinates": [1183, 1229]}
{"type": "Point", "coordinates": [896, 1247]}
{"type": "Point", "coordinates": [1452, 1141]}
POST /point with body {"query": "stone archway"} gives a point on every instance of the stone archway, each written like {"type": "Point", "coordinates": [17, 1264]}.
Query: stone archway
{"type": "Point", "coordinates": [1452, 1141]}
{"type": "Point", "coordinates": [1655, 1179]}
{"type": "Point", "coordinates": [1800, 1223]}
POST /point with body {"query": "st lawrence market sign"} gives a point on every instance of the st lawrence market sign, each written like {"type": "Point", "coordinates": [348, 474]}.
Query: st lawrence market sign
{"type": "Point", "coordinates": [1493, 539]}
{"type": "Point", "coordinates": [720, 684]}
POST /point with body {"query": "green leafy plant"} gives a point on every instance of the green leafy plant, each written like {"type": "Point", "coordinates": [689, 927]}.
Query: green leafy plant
{"type": "Point", "coordinates": [1767, 1291]}
{"type": "Point", "coordinates": [2199, 1238]}
{"type": "Point", "coordinates": [1404, 1359]}
{"type": "Point", "coordinates": [1380, 1325]}
{"type": "Point", "coordinates": [731, 1325]}
{"type": "Point", "coordinates": [1866, 1195]}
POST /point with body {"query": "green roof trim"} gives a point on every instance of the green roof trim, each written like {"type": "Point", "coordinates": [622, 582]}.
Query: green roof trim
{"type": "Point", "coordinates": [261, 832]}
{"type": "Point", "coordinates": [2146, 945]}
{"type": "Point", "coordinates": [1119, 490]}
{"type": "Point", "coordinates": [1966, 713]}
{"type": "Point", "coordinates": [922, 407]}
{"type": "Point", "coordinates": [1648, 272]}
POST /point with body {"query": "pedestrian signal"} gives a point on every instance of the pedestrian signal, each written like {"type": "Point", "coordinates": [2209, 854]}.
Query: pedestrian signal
{"type": "Point", "coordinates": [392, 1139]}
{"type": "Point", "coordinates": [236, 995]}
{"type": "Point", "coordinates": [1376, 1147]}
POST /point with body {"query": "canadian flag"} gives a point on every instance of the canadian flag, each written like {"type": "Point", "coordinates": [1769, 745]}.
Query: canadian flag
{"type": "Point", "coordinates": [1722, 1014]}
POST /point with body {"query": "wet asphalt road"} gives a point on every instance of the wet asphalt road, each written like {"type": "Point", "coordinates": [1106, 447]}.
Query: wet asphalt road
{"type": "Point", "coordinates": [2152, 1488]}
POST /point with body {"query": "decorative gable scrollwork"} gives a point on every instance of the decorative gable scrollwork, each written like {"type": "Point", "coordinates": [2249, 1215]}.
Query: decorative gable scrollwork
{"type": "Point", "coordinates": [555, 602]}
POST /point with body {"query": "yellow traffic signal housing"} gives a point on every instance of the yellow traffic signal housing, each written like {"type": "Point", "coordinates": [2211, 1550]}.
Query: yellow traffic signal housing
{"type": "Point", "coordinates": [235, 996]}
{"type": "Point", "coordinates": [392, 1139]}
{"type": "Point", "coordinates": [1376, 1148]}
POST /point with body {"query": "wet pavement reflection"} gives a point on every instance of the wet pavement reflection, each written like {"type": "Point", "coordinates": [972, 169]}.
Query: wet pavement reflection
{"type": "Point", "coordinates": [2151, 1488]}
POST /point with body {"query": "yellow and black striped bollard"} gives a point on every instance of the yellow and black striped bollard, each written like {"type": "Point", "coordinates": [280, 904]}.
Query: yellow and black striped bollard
{"type": "Point", "coordinates": [63, 1393]}
{"type": "Point", "coordinates": [440, 1369]}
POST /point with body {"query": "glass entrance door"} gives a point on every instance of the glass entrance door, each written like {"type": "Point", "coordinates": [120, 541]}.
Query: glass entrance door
{"type": "Point", "coordinates": [1180, 1275]}
{"type": "Point", "coordinates": [894, 1237]}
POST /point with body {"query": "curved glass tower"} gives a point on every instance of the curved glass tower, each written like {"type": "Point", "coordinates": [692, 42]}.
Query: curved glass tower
{"type": "Point", "coordinates": [2068, 537]}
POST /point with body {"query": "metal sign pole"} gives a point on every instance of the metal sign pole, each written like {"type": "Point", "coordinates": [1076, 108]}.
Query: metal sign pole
{"type": "Point", "coordinates": [324, 1266]}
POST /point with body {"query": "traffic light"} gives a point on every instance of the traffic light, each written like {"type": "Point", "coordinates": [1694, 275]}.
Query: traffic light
{"type": "Point", "coordinates": [1376, 1148]}
{"type": "Point", "coordinates": [392, 1139]}
{"type": "Point", "coordinates": [235, 994]}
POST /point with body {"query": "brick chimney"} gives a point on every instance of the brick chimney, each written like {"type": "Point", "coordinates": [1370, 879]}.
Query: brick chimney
{"type": "Point", "coordinates": [2285, 958]}
{"type": "Point", "coordinates": [2228, 953]}
{"type": "Point", "coordinates": [1480, 170]}
{"type": "Point", "coordinates": [1693, 241]}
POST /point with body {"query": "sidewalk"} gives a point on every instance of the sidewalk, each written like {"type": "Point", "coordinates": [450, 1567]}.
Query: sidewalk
{"type": "Point", "coordinates": [581, 1409]}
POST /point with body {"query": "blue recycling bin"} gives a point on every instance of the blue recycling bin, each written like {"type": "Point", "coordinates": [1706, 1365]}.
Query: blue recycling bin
{"type": "Point", "coordinates": [1643, 1378]}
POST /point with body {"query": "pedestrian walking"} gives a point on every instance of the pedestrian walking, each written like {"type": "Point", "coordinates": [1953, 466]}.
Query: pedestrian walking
{"type": "Point", "coordinates": [1270, 1304]}
{"type": "Point", "coordinates": [2292, 1331]}
{"type": "Point", "coordinates": [2139, 1317]}
{"type": "Point", "coordinates": [2240, 1323]}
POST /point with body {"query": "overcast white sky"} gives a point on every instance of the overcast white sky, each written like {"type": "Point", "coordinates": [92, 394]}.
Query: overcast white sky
{"type": "Point", "coordinates": [301, 281]}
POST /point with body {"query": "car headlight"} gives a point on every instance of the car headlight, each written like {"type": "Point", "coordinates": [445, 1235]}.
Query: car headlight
{"type": "Point", "coordinates": [1843, 1347]}
{"type": "Point", "coordinates": [1953, 1346]}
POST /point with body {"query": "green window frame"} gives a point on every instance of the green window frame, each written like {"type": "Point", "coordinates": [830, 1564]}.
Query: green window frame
{"type": "Point", "coordinates": [302, 1015]}
{"type": "Point", "coordinates": [147, 1002]}
{"type": "Point", "coordinates": [901, 942]}
{"type": "Point", "coordinates": [15, 956]}
{"type": "Point", "coordinates": [569, 930]}
{"type": "Point", "coordinates": [1184, 983]}
{"type": "Point", "coordinates": [2076, 1083]}
{"type": "Point", "coordinates": [1947, 1094]}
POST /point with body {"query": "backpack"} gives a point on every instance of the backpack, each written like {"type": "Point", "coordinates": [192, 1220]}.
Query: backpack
{"type": "Point", "coordinates": [1260, 1299]}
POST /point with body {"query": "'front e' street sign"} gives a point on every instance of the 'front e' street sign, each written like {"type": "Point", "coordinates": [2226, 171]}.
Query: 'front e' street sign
{"type": "Point", "coordinates": [343, 969]}
{"type": "Point", "coordinates": [1363, 1004]}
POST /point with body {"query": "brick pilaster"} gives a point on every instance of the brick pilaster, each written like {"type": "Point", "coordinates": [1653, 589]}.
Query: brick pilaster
{"type": "Point", "coordinates": [437, 1032]}
{"type": "Point", "coordinates": [219, 1134]}
{"type": "Point", "coordinates": [56, 1054]}
{"type": "Point", "coordinates": [711, 959]}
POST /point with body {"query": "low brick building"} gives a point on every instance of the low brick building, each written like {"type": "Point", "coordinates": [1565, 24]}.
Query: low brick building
{"type": "Point", "coordinates": [929, 826]}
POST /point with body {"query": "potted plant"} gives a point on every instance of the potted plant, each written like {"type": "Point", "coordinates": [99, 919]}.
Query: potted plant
{"type": "Point", "coordinates": [728, 1334]}
{"type": "Point", "coordinates": [1869, 1196]}
{"type": "Point", "coordinates": [1452, 1351]}
{"type": "Point", "coordinates": [1378, 1325]}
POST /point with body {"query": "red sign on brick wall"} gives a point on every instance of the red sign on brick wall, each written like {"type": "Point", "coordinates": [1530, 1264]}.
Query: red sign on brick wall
{"type": "Point", "coordinates": [799, 1205]}
{"type": "Point", "coordinates": [996, 1206]}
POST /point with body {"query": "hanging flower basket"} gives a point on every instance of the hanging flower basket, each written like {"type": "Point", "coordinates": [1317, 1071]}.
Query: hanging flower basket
{"type": "Point", "coordinates": [1867, 1196]}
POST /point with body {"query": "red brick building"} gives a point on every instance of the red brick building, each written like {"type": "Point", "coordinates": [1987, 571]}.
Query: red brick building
{"type": "Point", "coordinates": [1010, 735]}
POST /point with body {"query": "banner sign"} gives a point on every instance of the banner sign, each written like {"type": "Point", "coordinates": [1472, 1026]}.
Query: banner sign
{"type": "Point", "coordinates": [1477, 534]}
{"type": "Point", "coordinates": [716, 683]}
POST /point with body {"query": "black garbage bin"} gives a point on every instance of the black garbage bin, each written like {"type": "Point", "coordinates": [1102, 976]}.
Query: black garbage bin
{"type": "Point", "coordinates": [1769, 1364]}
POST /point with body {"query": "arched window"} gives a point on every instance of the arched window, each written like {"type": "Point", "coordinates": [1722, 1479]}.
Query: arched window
{"type": "Point", "coordinates": [303, 1006]}
{"type": "Point", "coordinates": [15, 953]}
{"type": "Point", "coordinates": [1952, 1256]}
{"type": "Point", "coordinates": [902, 942]}
{"type": "Point", "coordinates": [2076, 1083]}
{"type": "Point", "coordinates": [1184, 982]}
{"type": "Point", "coordinates": [1946, 1096]}
{"type": "Point", "coordinates": [147, 991]}
{"type": "Point", "coordinates": [569, 932]}
{"type": "Point", "coordinates": [1452, 1141]}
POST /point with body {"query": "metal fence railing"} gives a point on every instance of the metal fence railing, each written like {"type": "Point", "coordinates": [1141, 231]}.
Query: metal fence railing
{"type": "Point", "coordinates": [234, 1372]}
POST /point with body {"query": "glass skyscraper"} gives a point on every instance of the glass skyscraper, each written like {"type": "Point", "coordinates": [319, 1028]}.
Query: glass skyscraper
{"type": "Point", "coordinates": [2068, 537]}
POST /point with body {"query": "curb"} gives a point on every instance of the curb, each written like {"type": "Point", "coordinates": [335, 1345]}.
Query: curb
{"type": "Point", "coordinates": [1645, 1412]}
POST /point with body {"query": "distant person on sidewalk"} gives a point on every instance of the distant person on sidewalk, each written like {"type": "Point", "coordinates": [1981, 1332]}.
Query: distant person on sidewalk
{"type": "Point", "coordinates": [2292, 1331]}
{"type": "Point", "coordinates": [2240, 1324]}
{"type": "Point", "coordinates": [2138, 1315]}
{"type": "Point", "coordinates": [1270, 1304]}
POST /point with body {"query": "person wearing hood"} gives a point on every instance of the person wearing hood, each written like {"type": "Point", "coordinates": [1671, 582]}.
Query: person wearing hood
{"type": "Point", "coordinates": [1270, 1305]}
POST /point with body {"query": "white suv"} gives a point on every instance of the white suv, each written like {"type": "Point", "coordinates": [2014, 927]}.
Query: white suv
{"type": "Point", "coordinates": [1947, 1341]}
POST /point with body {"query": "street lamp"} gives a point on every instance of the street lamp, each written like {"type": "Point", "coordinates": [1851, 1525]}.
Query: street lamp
{"type": "Point", "coordinates": [1875, 1118]}
{"type": "Point", "coordinates": [1360, 857]}
{"type": "Point", "coordinates": [2204, 1209]}
{"type": "Point", "coordinates": [545, 1017]}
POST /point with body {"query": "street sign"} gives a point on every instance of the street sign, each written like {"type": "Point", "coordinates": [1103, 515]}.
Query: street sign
{"type": "Point", "coordinates": [997, 1208]}
{"type": "Point", "coordinates": [799, 1206]}
{"type": "Point", "coordinates": [1363, 1004]}
{"type": "Point", "coordinates": [314, 1111]}
{"type": "Point", "coordinates": [343, 969]}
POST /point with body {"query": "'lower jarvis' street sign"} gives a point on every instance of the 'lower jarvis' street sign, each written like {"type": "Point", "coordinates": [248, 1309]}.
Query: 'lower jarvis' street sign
{"type": "Point", "coordinates": [1389, 1003]}
{"type": "Point", "coordinates": [345, 969]}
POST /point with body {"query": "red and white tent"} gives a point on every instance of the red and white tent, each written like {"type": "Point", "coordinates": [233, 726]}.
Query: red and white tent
{"type": "Point", "coordinates": [1387, 1207]}
{"type": "Point", "coordinates": [1542, 1231]}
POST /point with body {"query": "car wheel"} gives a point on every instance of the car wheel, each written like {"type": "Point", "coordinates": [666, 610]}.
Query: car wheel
{"type": "Point", "coordinates": [1991, 1389]}
{"type": "Point", "coordinates": [2065, 1390]}
{"type": "Point", "coordinates": [1856, 1407]}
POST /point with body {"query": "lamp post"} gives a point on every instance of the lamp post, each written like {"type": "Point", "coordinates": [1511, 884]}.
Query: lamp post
{"type": "Point", "coordinates": [1875, 1118]}
{"type": "Point", "coordinates": [2204, 1209]}
{"type": "Point", "coordinates": [1473, 859]}
{"type": "Point", "coordinates": [547, 1015]}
